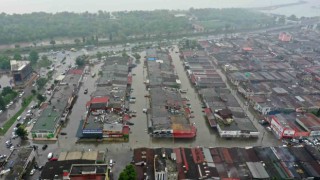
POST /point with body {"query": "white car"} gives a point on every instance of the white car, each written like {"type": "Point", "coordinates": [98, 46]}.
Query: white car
{"type": "Point", "coordinates": [50, 155]}
{"type": "Point", "coordinates": [21, 94]}
{"type": "Point", "coordinates": [32, 172]}
{"type": "Point", "coordinates": [1, 111]}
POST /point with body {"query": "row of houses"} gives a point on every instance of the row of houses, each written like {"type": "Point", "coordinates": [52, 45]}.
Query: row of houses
{"type": "Point", "coordinates": [107, 110]}
{"type": "Point", "coordinates": [169, 114]}
{"type": "Point", "coordinates": [55, 111]}
{"type": "Point", "coordinates": [222, 110]}
{"type": "Point", "coordinates": [227, 163]}
{"type": "Point", "coordinates": [273, 75]}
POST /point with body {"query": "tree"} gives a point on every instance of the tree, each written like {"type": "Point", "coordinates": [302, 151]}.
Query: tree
{"type": "Point", "coordinates": [99, 55]}
{"type": "Point", "coordinates": [41, 98]}
{"type": "Point", "coordinates": [33, 91]}
{"type": "Point", "coordinates": [17, 46]}
{"type": "Point", "coordinates": [21, 132]}
{"type": "Point", "coordinates": [77, 41]}
{"type": "Point", "coordinates": [137, 56]}
{"type": "Point", "coordinates": [44, 58]}
{"type": "Point", "coordinates": [80, 61]}
{"type": "Point", "coordinates": [124, 53]}
{"type": "Point", "coordinates": [33, 56]}
{"type": "Point", "coordinates": [128, 173]}
{"type": "Point", "coordinates": [4, 62]}
{"type": "Point", "coordinates": [6, 90]}
{"type": "Point", "coordinates": [24, 102]}
{"type": "Point", "coordinates": [41, 82]}
{"type": "Point", "coordinates": [52, 42]}
{"type": "Point", "coordinates": [293, 17]}
{"type": "Point", "coordinates": [17, 56]}
{"type": "Point", "coordinates": [2, 103]}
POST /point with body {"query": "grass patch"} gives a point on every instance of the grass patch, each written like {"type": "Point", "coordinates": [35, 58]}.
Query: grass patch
{"type": "Point", "coordinates": [13, 119]}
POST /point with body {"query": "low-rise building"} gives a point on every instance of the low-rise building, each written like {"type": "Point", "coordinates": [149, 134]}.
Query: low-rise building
{"type": "Point", "coordinates": [310, 123]}
{"type": "Point", "coordinates": [56, 110]}
{"type": "Point", "coordinates": [20, 162]}
{"type": "Point", "coordinates": [22, 73]}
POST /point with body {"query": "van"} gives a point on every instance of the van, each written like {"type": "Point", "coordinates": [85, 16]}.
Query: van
{"type": "Point", "coordinates": [111, 163]}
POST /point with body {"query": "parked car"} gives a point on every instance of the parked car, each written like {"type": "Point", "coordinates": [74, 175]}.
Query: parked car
{"type": "Point", "coordinates": [32, 172]}
{"type": "Point", "coordinates": [21, 94]}
{"type": "Point", "coordinates": [263, 122]}
{"type": "Point", "coordinates": [63, 133]}
{"type": "Point", "coordinates": [44, 147]}
{"type": "Point", "coordinates": [269, 128]}
{"type": "Point", "coordinates": [183, 90]}
{"type": "Point", "coordinates": [50, 155]}
{"type": "Point", "coordinates": [1, 111]}
{"type": "Point", "coordinates": [85, 91]}
{"type": "Point", "coordinates": [129, 123]}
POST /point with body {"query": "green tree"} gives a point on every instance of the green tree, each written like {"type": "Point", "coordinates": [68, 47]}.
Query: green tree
{"type": "Point", "coordinates": [77, 41]}
{"type": "Point", "coordinates": [128, 173]}
{"type": "Point", "coordinates": [6, 90]}
{"type": "Point", "coordinates": [293, 17]}
{"type": "Point", "coordinates": [124, 53]}
{"type": "Point", "coordinates": [52, 42]}
{"type": "Point", "coordinates": [4, 62]}
{"type": "Point", "coordinates": [44, 58]}
{"type": "Point", "coordinates": [41, 98]}
{"type": "Point", "coordinates": [99, 55]}
{"type": "Point", "coordinates": [2, 103]}
{"type": "Point", "coordinates": [33, 91]}
{"type": "Point", "coordinates": [137, 56]}
{"type": "Point", "coordinates": [41, 82]}
{"type": "Point", "coordinates": [17, 56]}
{"type": "Point", "coordinates": [80, 61]}
{"type": "Point", "coordinates": [33, 56]}
{"type": "Point", "coordinates": [21, 132]}
{"type": "Point", "coordinates": [24, 101]}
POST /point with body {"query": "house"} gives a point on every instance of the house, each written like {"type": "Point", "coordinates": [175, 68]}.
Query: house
{"type": "Point", "coordinates": [280, 127]}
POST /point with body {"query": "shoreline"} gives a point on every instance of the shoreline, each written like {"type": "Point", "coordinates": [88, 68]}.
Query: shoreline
{"type": "Point", "coordinates": [273, 7]}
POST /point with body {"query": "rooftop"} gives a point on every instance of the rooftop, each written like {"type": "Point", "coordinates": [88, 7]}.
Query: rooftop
{"type": "Point", "coordinates": [18, 65]}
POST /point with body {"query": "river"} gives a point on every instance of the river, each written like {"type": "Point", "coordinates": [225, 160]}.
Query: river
{"type": "Point", "coordinates": [52, 6]}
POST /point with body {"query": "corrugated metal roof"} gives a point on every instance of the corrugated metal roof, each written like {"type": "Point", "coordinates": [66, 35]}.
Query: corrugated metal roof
{"type": "Point", "coordinates": [257, 170]}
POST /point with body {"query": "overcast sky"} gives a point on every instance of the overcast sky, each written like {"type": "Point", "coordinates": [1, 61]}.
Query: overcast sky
{"type": "Point", "coordinates": [27, 6]}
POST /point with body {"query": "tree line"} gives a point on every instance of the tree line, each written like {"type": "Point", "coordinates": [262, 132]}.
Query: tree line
{"type": "Point", "coordinates": [90, 27]}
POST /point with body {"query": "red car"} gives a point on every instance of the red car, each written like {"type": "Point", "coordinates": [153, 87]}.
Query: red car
{"type": "Point", "coordinates": [53, 159]}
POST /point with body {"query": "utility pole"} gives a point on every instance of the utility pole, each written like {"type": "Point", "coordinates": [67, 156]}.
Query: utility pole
{"type": "Point", "coordinates": [262, 138]}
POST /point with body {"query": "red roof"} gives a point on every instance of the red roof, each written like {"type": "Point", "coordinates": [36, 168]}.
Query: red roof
{"type": "Point", "coordinates": [126, 117]}
{"type": "Point", "coordinates": [76, 71]}
{"type": "Point", "coordinates": [129, 80]}
{"type": "Point", "coordinates": [247, 49]}
{"type": "Point", "coordinates": [100, 99]}
{"type": "Point", "coordinates": [126, 130]}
